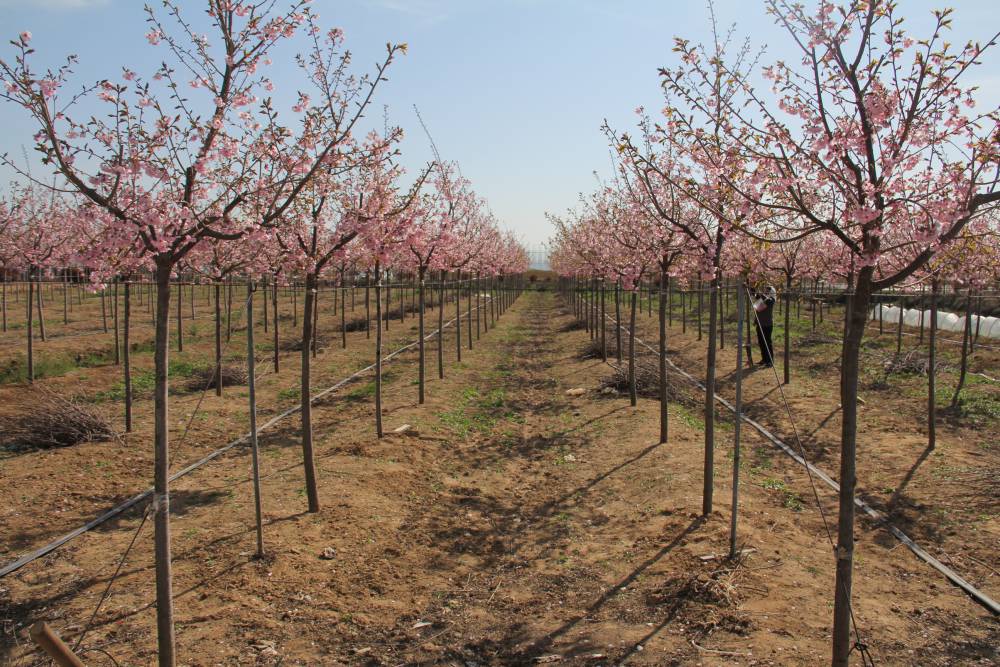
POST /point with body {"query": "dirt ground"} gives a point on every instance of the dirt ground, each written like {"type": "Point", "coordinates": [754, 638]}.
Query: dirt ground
{"type": "Point", "coordinates": [948, 498]}
{"type": "Point", "coordinates": [512, 524]}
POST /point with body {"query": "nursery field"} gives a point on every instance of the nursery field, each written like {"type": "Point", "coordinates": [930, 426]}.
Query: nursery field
{"type": "Point", "coordinates": [527, 515]}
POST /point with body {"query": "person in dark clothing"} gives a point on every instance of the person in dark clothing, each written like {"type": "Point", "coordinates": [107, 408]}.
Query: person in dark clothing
{"type": "Point", "coordinates": [763, 305]}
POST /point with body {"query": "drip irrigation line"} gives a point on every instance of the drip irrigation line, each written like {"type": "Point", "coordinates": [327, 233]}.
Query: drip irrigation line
{"type": "Point", "coordinates": [138, 498]}
{"type": "Point", "coordinates": [878, 517]}
{"type": "Point", "coordinates": [104, 596]}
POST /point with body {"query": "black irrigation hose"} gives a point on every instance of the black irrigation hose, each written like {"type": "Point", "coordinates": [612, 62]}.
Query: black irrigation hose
{"type": "Point", "coordinates": [135, 500]}
{"type": "Point", "coordinates": [879, 518]}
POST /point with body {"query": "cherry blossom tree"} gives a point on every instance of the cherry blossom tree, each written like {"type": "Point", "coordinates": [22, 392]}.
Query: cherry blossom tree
{"type": "Point", "coordinates": [172, 168]}
{"type": "Point", "coordinates": [872, 139]}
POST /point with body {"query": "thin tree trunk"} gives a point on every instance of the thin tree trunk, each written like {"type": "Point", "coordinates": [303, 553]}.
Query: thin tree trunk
{"type": "Point", "coordinates": [470, 312]}
{"type": "Point", "coordinates": [420, 334]}
{"type": "Point", "coordinates": [618, 321]}
{"type": "Point", "coordinates": [274, 305]}
{"type": "Point", "coordinates": [604, 325]}
{"type": "Point", "coordinates": [368, 305]}
{"type": "Point", "coordinates": [343, 312]}
{"type": "Point", "coordinates": [632, 396]}
{"type": "Point", "coordinates": [229, 310]}
{"type": "Point", "coordinates": [701, 304]}
{"type": "Point", "coordinates": [787, 370]}
{"type": "Point", "coordinates": [104, 309]}
{"type": "Point", "coordinates": [161, 472]}
{"type": "Point", "coordinates": [663, 352]}
{"type": "Point", "coordinates": [440, 331]}
{"type": "Point", "coordinates": [932, 371]}
{"type": "Point", "coordinates": [127, 356]}
{"type": "Point", "coordinates": [737, 424]}
{"type": "Point", "coordinates": [315, 316]}
{"type": "Point", "coordinates": [118, 358]}
{"type": "Point", "coordinates": [709, 468]}
{"type": "Point", "coordinates": [180, 318]}
{"type": "Point", "coordinates": [218, 338]}
{"type": "Point", "coordinates": [305, 393]}
{"type": "Point", "coordinates": [966, 338]}
{"type": "Point", "coordinates": [856, 316]}
{"type": "Point", "coordinates": [252, 392]}
{"type": "Point", "coordinates": [899, 330]}
{"type": "Point", "coordinates": [378, 349]}
{"type": "Point", "coordinates": [684, 321]}
{"type": "Point", "coordinates": [458, 316]}
{"type": "Point", "coordinates": [479, 309]}
{"type": "Point", "coordinates": [41, 315]}
{"type": "Point", "coordinates": [28, 329]}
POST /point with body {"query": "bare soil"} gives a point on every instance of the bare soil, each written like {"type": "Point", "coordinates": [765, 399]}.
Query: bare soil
{"type": "Point", "coordinates": [511, 524]}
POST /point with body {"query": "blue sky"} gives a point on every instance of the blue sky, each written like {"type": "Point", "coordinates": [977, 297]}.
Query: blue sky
{"type": "Point", "coordinates": [515, 90]}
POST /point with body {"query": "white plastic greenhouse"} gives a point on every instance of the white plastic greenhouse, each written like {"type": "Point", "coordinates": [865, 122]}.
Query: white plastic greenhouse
{"type": "Point", "coordinates": [989, 327]}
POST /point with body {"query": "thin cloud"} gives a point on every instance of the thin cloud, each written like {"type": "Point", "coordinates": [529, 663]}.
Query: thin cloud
{"type": "Point", "coordinates": [54, 5]}
{"type": "Point", "coordinates": [426, 11]}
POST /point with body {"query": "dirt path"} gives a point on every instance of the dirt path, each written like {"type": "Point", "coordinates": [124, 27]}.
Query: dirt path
{"type": "Point", "coordinates": [513, 524]}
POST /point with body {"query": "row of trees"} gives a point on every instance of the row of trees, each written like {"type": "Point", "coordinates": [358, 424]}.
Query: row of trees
{"type": "Point", "coordinates": [195, 168]}
{"type": "Point", "coordinates": [865, 163]}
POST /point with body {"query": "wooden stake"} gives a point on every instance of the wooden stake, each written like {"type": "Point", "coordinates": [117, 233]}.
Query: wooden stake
{"type": "Point", "coordinates": [47, 640]}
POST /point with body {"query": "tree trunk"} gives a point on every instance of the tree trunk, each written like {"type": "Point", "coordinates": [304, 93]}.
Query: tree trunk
{"type": "Point", "coordinates": [966, 338]}
{"type": "Point", "coordinates": [315, 316]}
{"type": "Point", "coordinates": [28, 329]}
{"type": "Point", "coordinates": [263, 284]}
{"type": "Point", "coordinates": [932, 371]}
{"type": "Point", "coordinates": [420, 335]}
{"type": "Point", "coordinates": [632, 396]}
{"type": "Point", "coordinates": [114, 313]}
{"type": "Point", "coordinates": [857, 317]}
{"type": "Point", "coordinates": [127, 356]}
{"type": "Point", "coordinates": [787, 370]}
{"type": "Point", "coordinates": [458, 316]}
{"type": "Point", "coordinates": [709, 468]}
{"type": "Point", "coordinates": [41, 315]}
{"type": "Point", "coordinates": [470, 312]}
{"type": "Point", "coordinates": [618, 321]}
{"type": "Point", "coordinates": [722, 320]}
{"type": "Point", "coordinates": [378, 349]}
{"type": "Point", "coordinates": [252, 392]}
{"type": "Point", "coordinates": [161, 471]}
{"type": "Point", "coordinates": [104, 309]}
{"type": "Point", "coordinates": [308, 461]}
{"type": "Point", "coordinates": [368, 305]}
{"type": "Point", "coordinates": [229, 310]}
{"type": "Point", "coordinates": [180, 318]}
{"type": "Point", "coordinates": [478, 306]}
{"type": "Point", "coordinates": [343, 312]}
{"type": "Point", "coordinates": [440, 331]}
{"type": "Point", "coordinates": [701, 304]}
{"type": "Point", "coordinates": [737, 424]}
{"type": "Point", "coordinates": [670, 302]}
{"type": "Point", "coordinates": [684, 321]}
{"type": "Point", "coordinates": [979, 321]}
{"type": "Point", "coordinates": [899, 330]}
{"type": "Point", "coordinates": [604, 325]}
{"type": "Point", "coordinates": [218, 338]}
{"type": "Point", "coordinates": [663, 352]}
{"type": "Point", "coordinates": [274, 305]}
